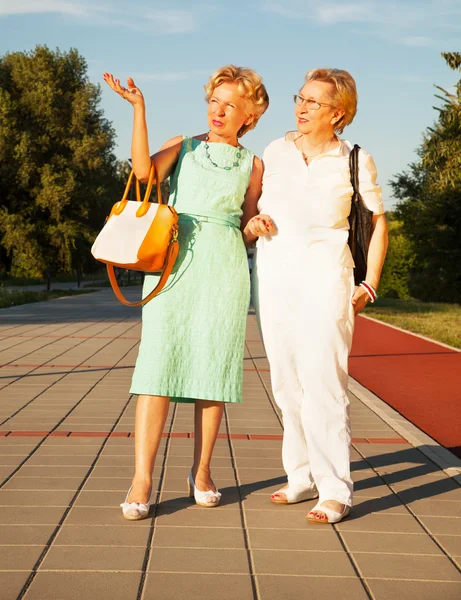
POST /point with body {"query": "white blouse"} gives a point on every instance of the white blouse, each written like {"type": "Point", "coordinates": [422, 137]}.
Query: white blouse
{"type": "Point", "coordinates": [310, 204]}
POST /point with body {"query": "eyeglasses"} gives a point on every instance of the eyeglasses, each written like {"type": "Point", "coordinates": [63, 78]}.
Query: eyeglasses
{"type": "Point", "coordinates": [310, 104]}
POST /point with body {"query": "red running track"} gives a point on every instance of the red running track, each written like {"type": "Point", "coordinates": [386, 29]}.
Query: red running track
{"type": "Point", "coordinates": [418, 378]}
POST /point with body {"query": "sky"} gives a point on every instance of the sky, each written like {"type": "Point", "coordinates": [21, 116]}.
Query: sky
{"type": "Point", "coordinates": [171, 47]}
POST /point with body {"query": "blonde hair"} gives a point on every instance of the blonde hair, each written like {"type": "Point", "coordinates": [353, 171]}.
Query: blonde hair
{"type": "Point", "coordinates": [250, 86]}
{"type": "Point", "coordinates": [344, 95]}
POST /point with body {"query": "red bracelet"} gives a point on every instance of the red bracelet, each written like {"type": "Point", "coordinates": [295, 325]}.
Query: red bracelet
{"type": "Point", "coordinates": [370, 290]}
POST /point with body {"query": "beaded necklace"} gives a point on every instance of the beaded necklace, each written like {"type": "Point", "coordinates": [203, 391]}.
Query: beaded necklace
{"type": "Point", "coordinates": [226, 168]}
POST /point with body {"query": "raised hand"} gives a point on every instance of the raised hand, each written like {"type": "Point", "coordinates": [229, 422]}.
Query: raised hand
{"type": "Point", "coordinates": [131, 93]}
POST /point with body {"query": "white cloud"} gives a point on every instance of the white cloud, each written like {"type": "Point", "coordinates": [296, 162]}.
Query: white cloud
{"type": "Point", "coordinates": [399, 21]}
{"type": "Point", "coordinates": [417, 40]}
{"type": "Point", "coordinates": [172, 21]}
{"type": "Point", "coordinates": [22, 7]}
{"type": "Point", "coordinates": [136, 16]}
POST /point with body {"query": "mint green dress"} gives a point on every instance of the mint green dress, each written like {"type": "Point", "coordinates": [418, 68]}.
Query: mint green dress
{"type": "Point", "coordinates": [193, 332]}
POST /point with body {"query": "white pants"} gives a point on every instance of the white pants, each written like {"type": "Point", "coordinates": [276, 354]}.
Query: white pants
{"type": "Point", "coordinates": [307, 325]}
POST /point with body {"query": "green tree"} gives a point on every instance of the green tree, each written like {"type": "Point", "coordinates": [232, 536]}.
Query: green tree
{"type": "Point", "coordinates": [429, 201]}
{"type": "Point", "coordinates": [58, 174]}
{"type": "Point", "coordinates": [399, 262]}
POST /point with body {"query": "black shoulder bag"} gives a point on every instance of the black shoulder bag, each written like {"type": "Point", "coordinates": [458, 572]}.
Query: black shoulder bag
{"type": "Point", "coordinates": [360, 222]}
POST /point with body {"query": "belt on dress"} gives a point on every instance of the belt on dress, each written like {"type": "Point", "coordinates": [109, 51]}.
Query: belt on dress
{"type": "Point", "coordinates": [199, 219]}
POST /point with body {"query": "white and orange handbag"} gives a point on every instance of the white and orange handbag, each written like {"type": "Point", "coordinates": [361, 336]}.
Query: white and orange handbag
{"type": "Point", "coordinates": [139, 236]}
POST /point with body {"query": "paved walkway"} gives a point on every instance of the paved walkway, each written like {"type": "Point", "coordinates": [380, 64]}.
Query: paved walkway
{"type": "Point", "coordinates": [56, 285]}
{"type": "Point", "coordinates": [66, 459]}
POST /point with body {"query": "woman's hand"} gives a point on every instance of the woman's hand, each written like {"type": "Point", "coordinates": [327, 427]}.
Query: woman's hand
{"type": "Point", "coordinates": [133, 94]}
{"type": "Point", "coordinates": [260, 225]}
{"type": "Point", "coordinates": [360, 299]}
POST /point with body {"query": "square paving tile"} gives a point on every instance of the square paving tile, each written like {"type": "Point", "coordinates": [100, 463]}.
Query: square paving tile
{"type": "Point", "coordinates": [104, 516]}
{"type": "Point", "coordinates": [196, 560]}
{"type": "Point", "coordinates": [434, 507]}
{"type": "Point", "coordinates": [50, 471]}
{"type": "Point", "coordinates": [35, 498]}
{"type": "Point", "coordinates": [118, 472]}
{"type": "Point", "coordinates": [43, 483]}
{"type": "Point", "coordinates": [102, 498]}
{"type": "Point", "coordinates": [31, 515]}
{"type": "Point", "coordinates": [414, 590]}
{"type": "Point", "coordinates": [442, 525]}
{"type": "Point", "coordinates": [196, 516]}
{"type": "Point", "coordinates": [427, 484]}
{"type": "Point", "coordinates": [118, 460]}
{"type": "Point", "coordinates": [315, 588]}
{"type": "Point", "coordinates": [11, 557]}
{"type": "Point", "coordinates": [320, 539]}
{"type": "Point", "coordinates": [71, 450]}
{"type": "Point", "coordinates": [199, 537]}
{"type": "Point", "coordinates": [119, 484]}
{"type": "Point", "coordinates": [75, 586]}
{"type": "Point", "coordinates": [44, 460]}
{"type": "Point", "coordinates": [404, 543]}
{"type": "Point", "coordinates": [86, 558]}
{"type": "Point", "coordinates": [8, 460]}
{"type": "Point", "coordinates": [101, 535]}
{"type": "Point", "coordinates": [15, 450]}
{"type": "Point", "coordinates": [278, 519]}
{"type": "Point", "coordinates": [380, 522]}
{"type": "Point", "coordinates": [261, 476]}
{"type": "Point", "coordinates": [5, 472]}
{"type": "Point", "coordinates": [182, 586]}
{"type": "Point", "coordinates": [287, 562]}
{"type": "Point", "coordinates": [386, 504]}
{"type": "Point", "coordinates": [400, 566]}
{"type": "Point", "coordinates": [12, 583]}
{"type": "Point", "coordinates": [29, 535]}
{"type": "Point", "coordinates": [451, 543]}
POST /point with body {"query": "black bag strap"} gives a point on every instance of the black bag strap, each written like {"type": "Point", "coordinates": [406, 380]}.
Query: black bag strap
{"type": "Point", "coordinates": [354, 168]}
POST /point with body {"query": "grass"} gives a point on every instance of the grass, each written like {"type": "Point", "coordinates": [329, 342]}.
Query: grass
{"type": "Point", "coordinates": [15, 298]}
{"type": "Point", "coordinates": [435, 320]}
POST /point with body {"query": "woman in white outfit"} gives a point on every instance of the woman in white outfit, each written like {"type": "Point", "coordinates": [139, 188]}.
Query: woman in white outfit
{"type": "Point", "coordinates": [304, 288]}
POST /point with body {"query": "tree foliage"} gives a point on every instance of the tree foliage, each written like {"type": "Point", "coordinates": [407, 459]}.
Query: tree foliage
{"type": "Point", "coordinates": [58, 173]}
{"type": "Point", "coordinates": [429, 201]}
{"type": "Point", "coordinates": [399, 262]}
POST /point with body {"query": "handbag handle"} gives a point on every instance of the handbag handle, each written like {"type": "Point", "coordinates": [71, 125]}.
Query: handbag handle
{"type": "Point", "coordinates": [170, 259]}
{"type": "Point", "coordinates": [153, 176]}
{"type": "Point", "coordinates": [128, 187]}
{"type": "Point", "coordinates": [354, 167]}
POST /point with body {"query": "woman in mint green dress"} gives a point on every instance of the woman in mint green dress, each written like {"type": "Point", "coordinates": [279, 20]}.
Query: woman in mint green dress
{"type": "Point", "coordinates": [193, 332]}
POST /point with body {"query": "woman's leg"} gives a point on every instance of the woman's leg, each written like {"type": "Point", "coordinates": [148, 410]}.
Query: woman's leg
{"type": "Point", "coordinates": [279, 327]}
{"type": "Point", "coordinates": [208, 416]}
{"type": "Point", "coordinates": [325, 413]}
{"type": "Point", "coordinates": [151, 414]}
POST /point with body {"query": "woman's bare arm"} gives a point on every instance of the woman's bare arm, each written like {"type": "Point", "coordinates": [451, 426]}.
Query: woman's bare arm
{"type": "Point", "coordinates": [377, 250]}
{"type": "Point", "coordinates": [141, 160]}
{"type": "Point", "coordinates": [375, 261]}
{"type": "Point", "coordinates": [254, 225]}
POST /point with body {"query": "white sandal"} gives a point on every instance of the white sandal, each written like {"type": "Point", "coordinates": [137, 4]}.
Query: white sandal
{"type": "Point", "coordinates": [202, 498]}
{"type": "Point", "coordinates": [135, 511]}
{"type": "Point", "coordinates": [295, 494]}
{"type": "Point", "coordinates": [332, 515]}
